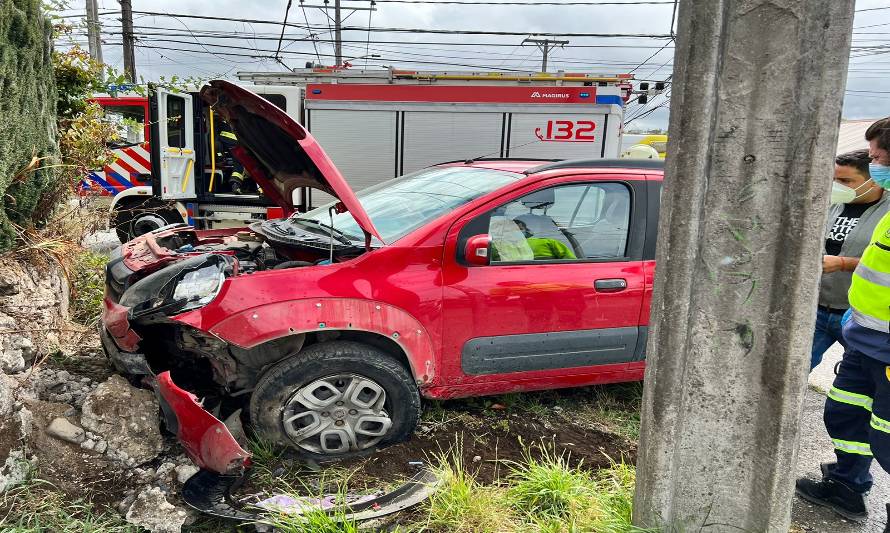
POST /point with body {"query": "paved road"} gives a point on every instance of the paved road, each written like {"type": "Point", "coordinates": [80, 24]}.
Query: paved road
{"type": "Point", "coordinates": [815, 447]}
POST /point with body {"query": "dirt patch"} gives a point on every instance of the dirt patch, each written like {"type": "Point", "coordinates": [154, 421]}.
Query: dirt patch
{"type": "Point", "coordinates": [69, 468]}
{"type": "Point", "coordinates": [486, 435]}
{"type": "Point", "coordinates": [488, 451]}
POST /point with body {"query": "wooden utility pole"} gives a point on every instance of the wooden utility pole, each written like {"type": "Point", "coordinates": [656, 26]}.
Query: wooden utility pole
{"type": "Point", "coordinates": [93, 39]}
{"type": "Point", "coordinates": [544, 45]}
{"type": "Point", "coordinates": [338, 38]}
{"type": "Point", "coordinates": [757, 92]}
{"type": "Point", "coordinates": [129, 40]}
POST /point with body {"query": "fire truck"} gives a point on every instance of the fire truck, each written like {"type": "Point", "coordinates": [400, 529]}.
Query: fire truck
{"type": "Point", "coordinates": [375, 125]}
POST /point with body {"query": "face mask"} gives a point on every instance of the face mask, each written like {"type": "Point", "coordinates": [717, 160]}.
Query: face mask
{"type": "Point", "coordinates": [880, 174]}
{"type": "Point", "coordinates": [841, 194]}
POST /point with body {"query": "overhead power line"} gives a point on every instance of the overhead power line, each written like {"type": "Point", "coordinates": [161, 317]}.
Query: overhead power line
{"type": "Point", "coordinates": [417, 30]}
{"type": "Point", "coordinates": [283, 27]}
{"type": "Point", "coordinates": [529, 4]}
{"type": "Point", "coordinates": [872, 9]}
{"type": "Point", "coordinates": [311, 36]}
{"type": "Point", "coordinates": [221, 34]}
{"type": "Point", "coordinates": [482, 56]}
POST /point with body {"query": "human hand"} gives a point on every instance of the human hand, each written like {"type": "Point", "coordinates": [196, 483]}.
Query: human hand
{"type": "Point", "coordinates": [832, 263]}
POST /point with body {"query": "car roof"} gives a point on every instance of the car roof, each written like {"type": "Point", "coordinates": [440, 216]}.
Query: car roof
{"type": "Point", "coordinates": [537, 166]}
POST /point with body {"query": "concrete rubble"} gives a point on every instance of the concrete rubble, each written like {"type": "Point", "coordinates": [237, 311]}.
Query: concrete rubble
{"type": "Point", "coordinates": [125, 419]}
{"type": "Point", "coordinates": [151, 510]}
{"type": "Point", "coordinates": [61, 428]}
{"type": "Point", "coordinates": [76, 426]}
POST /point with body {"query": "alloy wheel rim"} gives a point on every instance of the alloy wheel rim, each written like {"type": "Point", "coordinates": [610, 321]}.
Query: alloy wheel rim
{"type": "Point", "coordinates": [337, 414]}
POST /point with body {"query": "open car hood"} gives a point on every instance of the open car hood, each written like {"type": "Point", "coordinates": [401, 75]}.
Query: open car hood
{"type": "Point", "coordinates": [278, 152]}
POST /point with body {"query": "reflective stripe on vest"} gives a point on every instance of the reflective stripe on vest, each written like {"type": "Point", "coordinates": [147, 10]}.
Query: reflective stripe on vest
{"type": "Point", "coordinates": [228, 135]}
{"type": "Point", "coordinates": [859, 448]}
{"type": "Point", "coordinates": [850, 398]}
{"type": "Point", "coordinates": [870, 288]}
{"type": "Point", "coordinates": [879, 423]}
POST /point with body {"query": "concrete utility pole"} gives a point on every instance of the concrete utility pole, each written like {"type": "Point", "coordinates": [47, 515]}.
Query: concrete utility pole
{"type": "Point", "coordinates": [93, 39]}
{"type": "Point", "coordinates": [757, 93]}
{"type": "Point", "coordinates": [128, 39]}
{"type": "Point", "coordinates": [338, 38]}
{"type": "Point", "coordinates": [544, 45]}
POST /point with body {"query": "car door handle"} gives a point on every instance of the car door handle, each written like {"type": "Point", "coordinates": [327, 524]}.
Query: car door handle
{"type": "Point", "coordinates": [610, 285]}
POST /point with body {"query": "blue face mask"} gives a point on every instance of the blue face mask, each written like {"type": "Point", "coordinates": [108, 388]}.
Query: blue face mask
{"type": "Point", "coordinates": [880, 174]}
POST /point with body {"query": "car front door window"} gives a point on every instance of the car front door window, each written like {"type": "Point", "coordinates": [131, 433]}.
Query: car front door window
{"type": "Point", "coordinates": [577, 222]}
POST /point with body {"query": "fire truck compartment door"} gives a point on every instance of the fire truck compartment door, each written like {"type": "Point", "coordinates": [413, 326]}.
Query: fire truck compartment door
{"type": "Point", "coordinates": [559, 135]}
{"type": "Point", "coordinates": [176, 145]}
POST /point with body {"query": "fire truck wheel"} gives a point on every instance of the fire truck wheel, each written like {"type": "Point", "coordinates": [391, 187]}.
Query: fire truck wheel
{"type": "Point", "coordinates": [336, 400]}
{"type": "Point", "coordinates": [131, 221]}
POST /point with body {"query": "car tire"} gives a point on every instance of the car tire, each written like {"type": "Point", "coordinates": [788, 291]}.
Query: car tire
{"type": "Point", "coordinates": [291, 401]}
{"type": "Point", "coordinates": [135, 219]}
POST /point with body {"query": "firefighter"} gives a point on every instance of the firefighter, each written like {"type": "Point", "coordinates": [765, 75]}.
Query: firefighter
{"type": "Point", "coordinates": [239, 182]}
{"type": "Point", "coordinates": [857, 410]}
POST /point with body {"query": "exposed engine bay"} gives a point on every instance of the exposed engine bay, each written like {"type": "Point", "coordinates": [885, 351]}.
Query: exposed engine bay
{"type": "Point", "coordinates": [271, 244]}
{"type": "Point", "coordinates": [177, 269]}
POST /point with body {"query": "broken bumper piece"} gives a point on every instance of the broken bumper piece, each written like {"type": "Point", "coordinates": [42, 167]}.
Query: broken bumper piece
{"type": "Point", "coordinates": [206, 440]}
{"type": "Point", "coordinates": [211, 493]}
{"type": "Point", "coordinates": [225, 466]}
{"type": "Point", "coordinates": [126, 362]}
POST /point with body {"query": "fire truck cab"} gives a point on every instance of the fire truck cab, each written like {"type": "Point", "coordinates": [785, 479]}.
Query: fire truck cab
{"type": "Point", "coordinates": [375, 125]}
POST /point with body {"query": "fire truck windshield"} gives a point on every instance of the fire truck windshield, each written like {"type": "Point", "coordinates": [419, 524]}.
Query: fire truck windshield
{"type": "Point", "coordinates": [401, 205]}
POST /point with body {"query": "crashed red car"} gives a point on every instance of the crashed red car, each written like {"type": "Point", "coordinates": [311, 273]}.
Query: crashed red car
{"type": "Point", "coordinates": [327, 328]}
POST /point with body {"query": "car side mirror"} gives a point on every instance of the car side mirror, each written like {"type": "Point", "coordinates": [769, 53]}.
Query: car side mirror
{"type": "Point", "coordinates": [477, 251]}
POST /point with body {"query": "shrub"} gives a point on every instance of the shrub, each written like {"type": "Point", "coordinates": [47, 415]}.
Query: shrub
{"type": "Point", "coordinates": [27, 116]}
{"type": "Point", "coordinates": [87, 287]}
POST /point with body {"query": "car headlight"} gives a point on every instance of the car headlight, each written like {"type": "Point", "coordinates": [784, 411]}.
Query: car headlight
{"type": "Point", "coordinates": [199, 287]}
{"type": "Point", "coordinates": [182, 286]}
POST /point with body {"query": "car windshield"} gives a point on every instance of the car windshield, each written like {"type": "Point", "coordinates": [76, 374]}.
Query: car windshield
{"type": "Point", "coordinates": [403, 204]}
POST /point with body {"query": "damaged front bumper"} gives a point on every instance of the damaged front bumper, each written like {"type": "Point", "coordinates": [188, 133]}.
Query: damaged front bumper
{"type": "Point", "coordinates": [132, 363]}
{"type": "Point", "coordinates": [207, 441]}
{"type": "Point", "coordinates": [225, 466]}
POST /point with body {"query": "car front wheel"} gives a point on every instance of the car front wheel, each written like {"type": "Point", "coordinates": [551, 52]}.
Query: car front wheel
{"type": "Point", "coordinates": [336, 399]}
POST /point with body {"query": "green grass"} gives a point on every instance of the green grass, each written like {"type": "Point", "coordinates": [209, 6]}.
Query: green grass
{"type": "Point", "coordinates": [543, 493]}
{"type": "Point", "coordinates": [87, 278]}
{"type": "Point", "coordinates": [548, 487]}
{"type": "Point", "coordinates": [36, 507]}
{"type": "Point", "coordinates": [462, 505]}
{"type": "Point", "coordinates": [312, 522]}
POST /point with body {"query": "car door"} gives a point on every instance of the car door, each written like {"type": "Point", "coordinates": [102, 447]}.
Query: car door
{"type": "Point", "coordinates": [176, 144]}
{"type": "Point", "coordinates": [563, 291]}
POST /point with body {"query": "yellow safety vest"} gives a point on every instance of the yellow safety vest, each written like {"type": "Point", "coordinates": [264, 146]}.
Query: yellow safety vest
{"type": "Point", "coordinates": [870, 290]}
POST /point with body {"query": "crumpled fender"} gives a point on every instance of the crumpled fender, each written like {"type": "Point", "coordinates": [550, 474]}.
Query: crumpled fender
{"type": "Point", "coordinates": [262, 324]}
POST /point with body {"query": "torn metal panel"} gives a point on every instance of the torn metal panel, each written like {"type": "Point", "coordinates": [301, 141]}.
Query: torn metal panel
{"type": "Point", "coordinates": [207, 441]}
{"type": "Point", "coordinates": [210, 493]}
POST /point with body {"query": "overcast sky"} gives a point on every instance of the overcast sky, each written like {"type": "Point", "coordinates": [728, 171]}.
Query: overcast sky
{"type": "Point", "coordinates": [201, 52]}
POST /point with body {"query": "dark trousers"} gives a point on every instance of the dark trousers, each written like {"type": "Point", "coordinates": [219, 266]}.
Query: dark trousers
{"type": "Point", "coordinates": [857, 416]}
{"type": "Point", "coordinates": [827, 332]}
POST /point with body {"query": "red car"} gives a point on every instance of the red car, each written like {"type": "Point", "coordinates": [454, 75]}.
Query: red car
{"type": "Point", "coordinates": [465, 279]}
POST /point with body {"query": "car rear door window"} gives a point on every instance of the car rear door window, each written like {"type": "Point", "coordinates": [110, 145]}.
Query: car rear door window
{"type": "Point", "coordinates": [576, 222]}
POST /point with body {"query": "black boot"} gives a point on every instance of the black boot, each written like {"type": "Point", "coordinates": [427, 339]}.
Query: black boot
{"type": "Point", "coordinates": [835, 495]}
{"type": "Point", "coordinates": [887, 526]}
